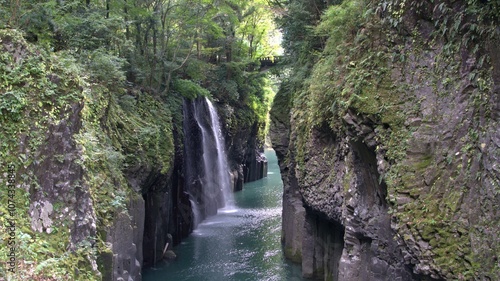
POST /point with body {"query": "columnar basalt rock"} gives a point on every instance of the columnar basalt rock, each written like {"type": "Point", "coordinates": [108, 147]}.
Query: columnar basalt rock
{"type": "Point", "coordinates": [244, 148]}
{"type": "Point", "coordinates": [126, 238]}
{"type": "Point", "coordinates": [405, 176]}
{"type": "Point", "coordinates": [167, 200]}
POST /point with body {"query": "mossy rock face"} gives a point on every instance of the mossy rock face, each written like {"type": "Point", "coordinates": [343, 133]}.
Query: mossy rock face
{"type": "Point", "coordinates": [428, 110]}
{"type": "Point", "coordinates": [40, 106]}
{"type": "Point", "coordinates": [74, 142]}
{"type": "Point", "coordinates": [105, 264]}
{"type": "Point", "coordinates": [424, 163]}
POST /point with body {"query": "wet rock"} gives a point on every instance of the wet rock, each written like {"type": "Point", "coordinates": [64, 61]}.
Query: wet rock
{"type": "Point", "coordinates": [125, 239]}
{"type": "Point", "coordinates": [169, 255]}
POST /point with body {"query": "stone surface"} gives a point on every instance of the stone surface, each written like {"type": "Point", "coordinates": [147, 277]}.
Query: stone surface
{"type": "Point", "coordinates": [244, 149]}
{"type": "Point", "coordinates": [428, 215]}
{"type": "Point", "coordinates": [169, 255]}
{"type": "Point", "coordinates": [255, 166]}
{"type": "Point", "coordinates": [125, 239]}
{"type": "Point", "coordinates": [167, 206]}
{"type": "Point", "coordinates": [59, 178]}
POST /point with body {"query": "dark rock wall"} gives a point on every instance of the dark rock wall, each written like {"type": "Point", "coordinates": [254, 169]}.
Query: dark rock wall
{"type": "Point", "coordinates": [322, 248]}
{"type": "Point", "coordinates": [371, 252]}
{"type": "Point", "coordinates": [255, 166]}
{"type": "Point", "coordinates": [338, 227]}
{"type": "Point", "coordinates": [293, 214]}
{"type": "Point", "coordinates": [167, 206]}
{"type": "Point", "coordinates": [244, 141]}
{"type": "Point", "coordinates": [159, 217]}
{"type": "Point", "coordinates": [60, 182]}
{"type": "Point", "coordinates": [137, 233]}
{"type": "Point", "coordinates": [430, 215]}
{"type": "Point", "coordinates": [245, 151]}
{"type": "Point", "coordinates": [125, 238]}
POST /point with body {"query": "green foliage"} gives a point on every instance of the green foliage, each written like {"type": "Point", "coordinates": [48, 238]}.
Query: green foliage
{"type": "Point", "coordinates": [12, 104]}
{"type": "Point", "coordinates": [339, 21]}
{"type": "Point", "coordinates": [119, 135]}
{"type": "Point", "coordinates": [33, 86]}
{"type": "Point", "coordinates": [189, 89]}
{"type": "Point", "coordinates": [89, 29]}
{"type": "Point", "coordinates": [36, 91]}
{"type": "Point", "coordinates": [299, 40]}
{"type": "Point", "coordinates": [145, 134]}
{"type": "Point", "coordinates": [349, 75]}
{"type": "Point", "coordinates": [106, 68]}
{"type": "Point", "coordinates": [197, 70]}
{"type": "Point", "coordinates": [118, 132]}
{"type": "Point", "coordinates": [257, 31]}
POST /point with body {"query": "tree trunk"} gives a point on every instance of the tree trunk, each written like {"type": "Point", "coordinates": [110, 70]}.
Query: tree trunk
{"type": "Point", "coordinates": [127, 30]}
{"type": "Point", "coordinates": [250, 51]}
{"type": "Point", "coordinates": [107, 8]}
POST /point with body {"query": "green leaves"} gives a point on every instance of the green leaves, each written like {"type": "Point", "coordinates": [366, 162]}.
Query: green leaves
{"type": "Point", "coordinates": [106, 68]}
{"type": "Point", "coordinates": [340, 22]}
{"type": "Point", "coordinates": [12, 104]}
{"type": "Point", "coordinates": [87, 57]}
{"type": "Point", "coordinates": [189, 89]}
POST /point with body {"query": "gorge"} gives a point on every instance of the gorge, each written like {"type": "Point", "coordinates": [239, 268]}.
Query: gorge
{"type": "Point", "coordinates": [238, 244]}
{"type": "Point", "coordinates": [134, 131]}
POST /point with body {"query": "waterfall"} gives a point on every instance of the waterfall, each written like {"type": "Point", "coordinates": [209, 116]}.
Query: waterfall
{"type": "Point", "coordinates": [222, 172]}
{"type": "Point", "coordinates": [207, 173]}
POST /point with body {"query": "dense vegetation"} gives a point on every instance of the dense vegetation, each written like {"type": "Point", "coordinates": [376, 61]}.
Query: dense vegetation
{"type": "Point", "coordinates": [364, 59]}
{"type": "Point", "coordinates": [121, 68]}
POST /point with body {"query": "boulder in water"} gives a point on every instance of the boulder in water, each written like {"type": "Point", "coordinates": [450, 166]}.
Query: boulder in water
{"type": "Point", "coordinates": [169, 255]}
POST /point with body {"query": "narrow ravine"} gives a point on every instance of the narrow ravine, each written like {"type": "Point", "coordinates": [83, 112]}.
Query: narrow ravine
{"type": "Point", "coordinates": [240, 244]}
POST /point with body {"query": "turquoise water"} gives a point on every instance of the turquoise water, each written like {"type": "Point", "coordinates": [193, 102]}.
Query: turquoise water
{"type": "Point", "coordinates": [238, 244]}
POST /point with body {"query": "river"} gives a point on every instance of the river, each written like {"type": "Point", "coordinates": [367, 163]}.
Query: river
{"type": "Point", "coordinates": [238, 244]}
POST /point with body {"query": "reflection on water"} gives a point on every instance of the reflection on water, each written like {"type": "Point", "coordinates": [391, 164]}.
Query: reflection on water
{"type": "Point", "coordinates": [241, 243]}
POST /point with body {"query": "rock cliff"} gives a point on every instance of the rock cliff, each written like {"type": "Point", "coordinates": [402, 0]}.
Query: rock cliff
{"type": "Point", "coordinates": [389, 149]}
{"type": "Point", "coordinates": [97, 168]}
{"type": "Point", "coordinates": [167, 195]}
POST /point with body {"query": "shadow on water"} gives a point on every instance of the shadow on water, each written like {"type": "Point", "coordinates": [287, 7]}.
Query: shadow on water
{"type": "Point", "coordinates": [241, 243]}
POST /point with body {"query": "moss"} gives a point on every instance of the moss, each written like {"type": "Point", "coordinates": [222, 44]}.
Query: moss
{"type": "Point", "coordinates": [118, 130]}
{"type": "Point", "coordinates": [105, 263]}
{"type": "Point", "coordinates": [37, 93]}
{"type": "Point", "coordinates": [428, 232]}
{"type": "Point", "coordinates": [329, 276]}
{"type": "Point", "coordinates": [424, 162]}
{"type": "Point", "coordinates": [190, 89]}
